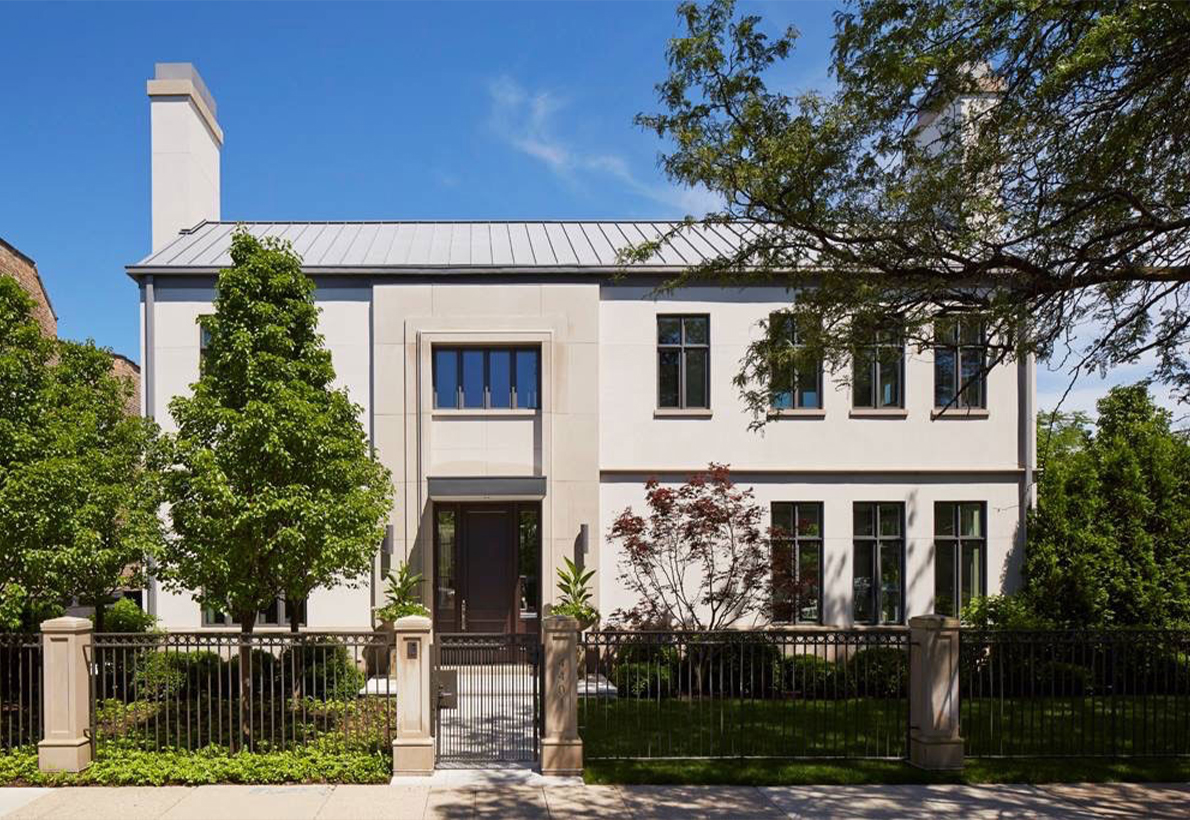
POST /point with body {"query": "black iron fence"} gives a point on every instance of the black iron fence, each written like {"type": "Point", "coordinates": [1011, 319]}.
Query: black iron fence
{"type": "Point", "coordinates": [777, 694]}
{"type": "Point", "coordinates": [488, 703]}
{"type": "Point", "coordinates": [259, 692]}
{"type": "Point", "coordinates": [20, 689]}
{"type": "Point", "coordinates": [1118, 693]}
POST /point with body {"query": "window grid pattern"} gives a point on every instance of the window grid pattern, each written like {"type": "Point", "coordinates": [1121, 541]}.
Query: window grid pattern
{"type": "Point", "coordinates": [794, 387]}
{"type": "Point", "coordinates": [797, 562]}
{"type": "Point", "coordinates": [277, 614]}
{"type": "Point", "coordinates": [684, 361]}
{"type": "Point", "coordinates": [878, 586]}
{"type": "Point", "coordinates": [879, 377]}
{"type": "Point", "coordinates": [960, 358]}
{"type": "Point", "coordinates": [486, 378]}
{"type": "Point", "coordinates": [960, 555]}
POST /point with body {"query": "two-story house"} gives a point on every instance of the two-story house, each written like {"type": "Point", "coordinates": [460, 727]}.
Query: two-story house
{"type": "Point", "coordinates": [522, 393]}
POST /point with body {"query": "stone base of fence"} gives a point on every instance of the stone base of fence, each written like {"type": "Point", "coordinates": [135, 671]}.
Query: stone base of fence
{"type": "Point", "coordinates": [413, 748]}
{"type": "Point", "coordinates": [561, 748]}
{"type": "Point", "coordinates": [65, 746]}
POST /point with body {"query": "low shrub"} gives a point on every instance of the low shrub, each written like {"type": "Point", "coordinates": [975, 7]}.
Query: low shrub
{"type": "Point", "coordinates": [326, 760]}
{"type": "Point", "coordinates": [878, 672]}
{"type": "Point", "coordinates": [163, 674]}
{"type": "Point", "coordinates": [736, 667]}
{"type": "Point", "coordinates": [641, 679]}
{"type": "Point", "coordinates": [326, 671]}
{"type": "Point", "coordinates": [807, 676]}
{"type": "Point", "coordinates": [125, 616]}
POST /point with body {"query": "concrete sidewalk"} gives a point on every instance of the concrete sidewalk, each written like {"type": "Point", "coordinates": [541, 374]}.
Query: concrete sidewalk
{"type": "Point", "coordinates": [512, 802]}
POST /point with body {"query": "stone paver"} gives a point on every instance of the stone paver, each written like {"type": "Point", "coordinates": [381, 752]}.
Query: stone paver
{"type": "Point", "coordinates": [674, 802]}
{"type": "Point", "coordinates": [103, 803]}
{"type": "Point", "coordinates": [567, 801]}
{"type": "Point", "coordinates": [13, 799]}
{"type": "Point", "coordinates": [256, 802]}
{"type": "Point", "coordinates": [376, 803]}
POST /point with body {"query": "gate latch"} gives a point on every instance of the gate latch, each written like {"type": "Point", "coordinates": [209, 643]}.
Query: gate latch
{"type": "Point", "coordinates": [446, 684]}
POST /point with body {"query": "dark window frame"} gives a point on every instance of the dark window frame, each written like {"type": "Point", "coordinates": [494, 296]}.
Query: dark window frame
{"type": "Point", "coordinates": [958, 346]}
{"type": "Point", "coordinates": [955, 544]}
{"type": "Point", "coordinates": [789, 331]}
{"type": "Point", "coordinates": [795, 541]}
{"type": "Point", "coordinates": [884, 338]}
{"type": "Point", "coordinates": [212, 617]}
{"type": "Point", "coordinates": [487, 350]}
{"type": "Point", "coordinates": [682, 347]}
{"type": "Point", "coordinates": [877, 540]}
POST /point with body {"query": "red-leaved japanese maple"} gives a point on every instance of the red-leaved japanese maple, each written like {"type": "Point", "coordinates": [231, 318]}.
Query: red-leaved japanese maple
{"type": "Point", "coordinates": [698, 558]}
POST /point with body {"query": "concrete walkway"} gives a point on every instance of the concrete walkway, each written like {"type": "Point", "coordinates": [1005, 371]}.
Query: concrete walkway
{"type": "Point", "coordinates": [514, 801]}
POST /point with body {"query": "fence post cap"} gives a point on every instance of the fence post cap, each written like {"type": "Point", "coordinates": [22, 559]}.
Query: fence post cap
{"type": "Point", "coordinates": [413, 623]}
{"type": "Point", "coordinates": [67, 623]}
{"type": "Point", "coordinates": [933, 622]}
{"type": "Point", "coordinates": [559, 623]}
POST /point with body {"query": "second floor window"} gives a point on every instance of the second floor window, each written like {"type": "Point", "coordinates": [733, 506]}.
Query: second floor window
{"type": "Point", "coordinates": [204, 346]}
{"type": "Point", "coordinates": [797, 562]}
{"type": "Point", "coordinates": [683, 361]}
{"type": "Point", "coordinates": [960, 357]}
{"type": "Point", "coordinates": [879, 378]}
{"type": "Point", "coordinates": [798, 386]}
{"type": "Point", "coordinates": [477, 378]}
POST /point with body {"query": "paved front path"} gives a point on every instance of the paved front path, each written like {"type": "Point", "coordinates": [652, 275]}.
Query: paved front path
{"type": "Point", "coordinates": [512, 802]}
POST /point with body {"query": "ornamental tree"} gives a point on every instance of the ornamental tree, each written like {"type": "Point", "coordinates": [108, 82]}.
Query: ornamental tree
{"type": "Point", "coordinates": [273, 488]}
{"type": "Point", "coordinates": [79, 479]}
{"type": "Point", "coordinates": [698, 558]}
{"type": "Point", "coordinates": [1054, 204]}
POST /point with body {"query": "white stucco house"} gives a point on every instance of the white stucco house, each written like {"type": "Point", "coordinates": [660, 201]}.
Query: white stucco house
{"type": "Point", "coordinates": [521, 395]}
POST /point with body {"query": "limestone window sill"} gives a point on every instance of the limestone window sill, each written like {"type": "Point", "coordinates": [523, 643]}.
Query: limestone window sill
{"type": "Point", "coordinates": [486, 412]}
{"type": "Point", "coordinates": [683, 413]}
{"type": "Point", "coordinates": [959, 413]}
{"type": "Point", "coordinates": [879, 413]}
{"type": "Point", "coordinates": [798, 413]}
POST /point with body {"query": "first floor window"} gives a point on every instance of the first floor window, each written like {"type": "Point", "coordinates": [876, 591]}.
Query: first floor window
{"type": "Point", "coordinates": [529, 558]}
{"type": "Point", "coordinates": [276, 614]}
{"type": "Point", "coordinates": [798, 385]}
{"type": "Point", "coordinates": [478, 378]}
{"type": "Point", "coordinates": [878, 586]}
{"type": "Point", "coordinates": [960, 555]}
{"type": "Point", "coordinates": [797, 562]}
{"type": "Point", "coordinates": [683, 361]}
{"type": "Point", "coordinates": [879, 377]}
{"type": "Point", "coordinates": [960, 358]}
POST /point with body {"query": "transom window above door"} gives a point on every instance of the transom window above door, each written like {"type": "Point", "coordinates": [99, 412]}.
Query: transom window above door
{"type": "Point", "coordinates": [487, 378]}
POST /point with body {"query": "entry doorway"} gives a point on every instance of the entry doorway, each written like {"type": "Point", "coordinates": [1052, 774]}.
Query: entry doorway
{"type": "Point", "coordinates": [487, 567]}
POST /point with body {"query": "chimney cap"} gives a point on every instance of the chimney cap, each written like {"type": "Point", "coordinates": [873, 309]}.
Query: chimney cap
{"type": "Point", "coordinates": [185, 71]}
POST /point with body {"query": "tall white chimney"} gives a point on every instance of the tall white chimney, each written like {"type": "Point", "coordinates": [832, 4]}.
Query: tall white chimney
{"type": "Point", "coordinates": [186, 141]}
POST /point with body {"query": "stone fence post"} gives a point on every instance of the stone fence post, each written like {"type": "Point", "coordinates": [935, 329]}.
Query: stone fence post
{"type": "Point", "coordinates": [561, 747]}
{"type": "Point", "coordinates": [66, 694]}
{"type": "Point", "coordinates": [934, 741]}
{"type": "Point", "coordinates": [413, 748]}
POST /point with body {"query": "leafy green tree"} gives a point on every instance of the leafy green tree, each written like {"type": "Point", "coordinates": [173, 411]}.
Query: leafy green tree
{"type": "Point", "coordinates": [78, 477]}
{"type": "Point", "coordinates": [1025, 161]}
{"type": "Point", "coordinates": [273, 489]}
{"type": "Point", "coordinates": [1109, 542]}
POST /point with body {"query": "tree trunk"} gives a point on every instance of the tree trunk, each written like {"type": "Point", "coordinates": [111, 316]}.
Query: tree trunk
{"type": "Point", "coordinates": [99, 613]}
{"type": "Point", "coordinates": [247, 624]}
{"type": "Point", "coordinates": [299, 654]}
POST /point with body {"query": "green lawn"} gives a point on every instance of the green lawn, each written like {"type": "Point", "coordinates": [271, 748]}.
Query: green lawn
{"type": "Point", "coordinates": [861, 772]}
{"type": "Point", "coordinates": [875, 728]}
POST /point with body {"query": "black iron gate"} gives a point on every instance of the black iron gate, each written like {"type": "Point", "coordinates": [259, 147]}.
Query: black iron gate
{"type": "Point", "coordinates": [488, 689]}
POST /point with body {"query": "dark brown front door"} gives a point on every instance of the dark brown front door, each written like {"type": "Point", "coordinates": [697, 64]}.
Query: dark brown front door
{"type": "Point", "coordinates": [488, 556]}
{"type": "Point", "coordinates": [486, 567]}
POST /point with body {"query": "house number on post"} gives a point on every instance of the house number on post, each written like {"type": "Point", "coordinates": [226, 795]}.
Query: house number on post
{"type": "Point", "coordinates": [411, 650]}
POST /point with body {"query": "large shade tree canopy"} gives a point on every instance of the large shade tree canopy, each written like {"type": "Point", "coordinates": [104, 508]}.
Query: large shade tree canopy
{"type": "Point", "coordinates": [1025, 160]}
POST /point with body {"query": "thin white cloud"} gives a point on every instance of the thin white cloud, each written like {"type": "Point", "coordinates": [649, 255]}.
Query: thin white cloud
{"type": "Point", "coordinates": [526, 121]}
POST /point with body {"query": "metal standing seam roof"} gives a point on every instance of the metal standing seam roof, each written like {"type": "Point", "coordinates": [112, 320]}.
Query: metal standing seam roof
{"type": "Point", "coordinates": [450, 246]}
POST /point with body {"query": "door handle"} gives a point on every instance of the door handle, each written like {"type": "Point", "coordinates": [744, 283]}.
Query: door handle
{"type": "Point", "coordinates": [464, 614]}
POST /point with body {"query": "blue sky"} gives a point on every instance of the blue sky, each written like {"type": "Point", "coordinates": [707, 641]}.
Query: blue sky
{"type": "Point", "coordinates": [341, 111]}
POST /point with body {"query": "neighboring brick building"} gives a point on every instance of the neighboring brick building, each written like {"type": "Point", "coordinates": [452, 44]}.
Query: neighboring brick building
{"type": "Point", "coordinates": [20, 267]}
